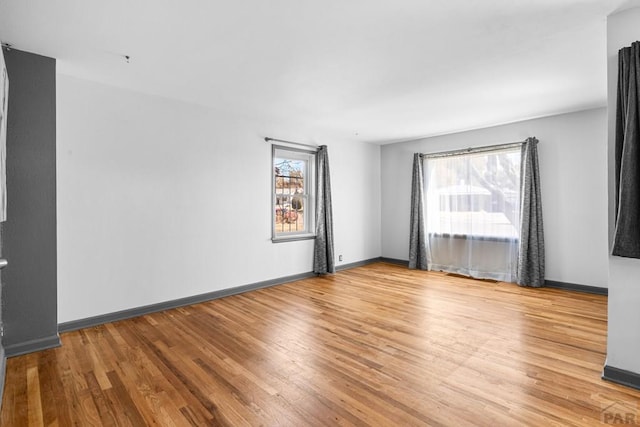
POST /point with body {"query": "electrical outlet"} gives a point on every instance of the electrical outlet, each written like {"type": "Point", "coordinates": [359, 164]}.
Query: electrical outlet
{"type": "Point", "coordinates": [339, 257]}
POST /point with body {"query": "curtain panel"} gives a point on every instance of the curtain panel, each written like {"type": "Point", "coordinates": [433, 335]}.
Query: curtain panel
{"type": "Point", "coordinates": [531, 253]}
{"type": "Point", "coordinates": [626, 238]}
{"type": "Point", "coordinates": [323, 250]}
{"type": "Point", "coordinates": [472, 211]}
{"type": "Point", "coordinates": [418, 244]}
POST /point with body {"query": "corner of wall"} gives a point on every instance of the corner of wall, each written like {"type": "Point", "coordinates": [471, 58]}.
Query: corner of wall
{"type": "Point", "coordinates": [623, 340]}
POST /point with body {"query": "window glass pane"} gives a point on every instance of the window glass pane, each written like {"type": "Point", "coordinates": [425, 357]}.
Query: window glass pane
{"type": "Point", "coordinates": [292, 208]}
{"type": "Point", "coordinates": [474, 194]}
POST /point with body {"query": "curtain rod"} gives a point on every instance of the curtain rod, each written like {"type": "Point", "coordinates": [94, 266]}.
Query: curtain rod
{"type": "Point", "coordinates": [315, 147]}
{"type": "Point", "coordinates": [473, 150]}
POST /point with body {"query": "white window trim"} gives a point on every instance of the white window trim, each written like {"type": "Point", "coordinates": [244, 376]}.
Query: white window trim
{"type": "Point", "coordinates": [310, 182]}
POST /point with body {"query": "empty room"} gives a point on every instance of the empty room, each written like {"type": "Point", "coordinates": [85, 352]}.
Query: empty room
{"type": "Point", "coordinates": [293, 213]}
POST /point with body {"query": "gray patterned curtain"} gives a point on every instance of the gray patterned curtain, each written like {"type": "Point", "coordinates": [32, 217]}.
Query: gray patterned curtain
{"type": "Point", "coordinates": [626, 238]}
{"type": "Point", "coordinates": [418, 237]}
{"type": "Point", "coordinates": [531, 250]}
{"type": "Point", "coordinates": [323, 258]}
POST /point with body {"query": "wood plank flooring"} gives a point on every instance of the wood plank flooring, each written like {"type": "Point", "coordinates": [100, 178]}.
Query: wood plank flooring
{"type": "Point", "coordinates": [377, 345]}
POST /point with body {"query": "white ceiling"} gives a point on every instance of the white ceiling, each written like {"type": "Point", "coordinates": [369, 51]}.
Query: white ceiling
{"type": "Point", "coordinates": [370, 70]}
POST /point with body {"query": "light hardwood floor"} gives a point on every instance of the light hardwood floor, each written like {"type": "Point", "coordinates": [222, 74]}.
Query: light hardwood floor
{"type": "Point", "coordinates": [376, 345]}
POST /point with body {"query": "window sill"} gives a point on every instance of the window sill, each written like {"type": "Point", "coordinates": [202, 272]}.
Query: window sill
{"type": "Point", "coordinates": [478, 238]}
{"type": "Point", "coordinates": [293, 238]}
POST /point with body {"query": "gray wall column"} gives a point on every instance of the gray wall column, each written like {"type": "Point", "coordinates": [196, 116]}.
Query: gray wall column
{"type": "Point", "coordinates": [29, 291]}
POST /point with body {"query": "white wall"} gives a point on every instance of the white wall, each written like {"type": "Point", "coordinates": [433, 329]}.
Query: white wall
{"type": "Point", "coordinates": [623, 339]}
{"type": "Point", "coordinates": [573, 173]}
{"type": "Point", "coordinates": [159, 200]}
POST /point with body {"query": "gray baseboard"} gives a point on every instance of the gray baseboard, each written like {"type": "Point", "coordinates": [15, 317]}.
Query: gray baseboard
{"type": "Point", "coordinates": [620, 376]}
{"type": "Point", "coordinates": [548, 283]}
{"type": "Point", "coordinates": [181, 302]}
{"type": "Point", "coordinates": [574, 287]}
{"type": "Point", "coordinates": [357, 264]}
{"type": "Point", "coordinates": [395, 261]}
{"type": "Point", "coordinates": [31, 346]}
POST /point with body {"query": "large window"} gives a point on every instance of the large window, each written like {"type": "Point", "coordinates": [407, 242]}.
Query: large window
{"type": "Point", "coordinates": [293, 201]}
{"type": "Point", "coordinates": [474, 195]}
{"type": "Point", "coordinates": [472, 209]}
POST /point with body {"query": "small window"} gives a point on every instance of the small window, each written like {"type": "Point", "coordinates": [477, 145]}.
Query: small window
{"type": "Point", "coordinates": [293, 199]}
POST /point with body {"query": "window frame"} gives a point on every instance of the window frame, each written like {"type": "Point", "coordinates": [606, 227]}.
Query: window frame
{"type": "Point", "coordinates": [309, 193]}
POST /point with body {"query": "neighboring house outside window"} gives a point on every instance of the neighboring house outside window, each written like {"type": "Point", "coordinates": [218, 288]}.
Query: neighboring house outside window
{"type": "Point", "coordinates": [293, 198]}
